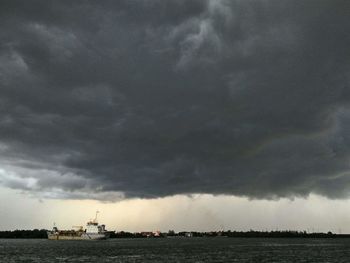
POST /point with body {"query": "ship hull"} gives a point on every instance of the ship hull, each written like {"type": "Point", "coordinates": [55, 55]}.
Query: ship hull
{"type": "Point", "coordinates": [83, 236]}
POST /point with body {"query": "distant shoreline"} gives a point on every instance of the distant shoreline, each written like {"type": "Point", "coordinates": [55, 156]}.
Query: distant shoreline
{"type": "Point", "coordinates": [42, 234]}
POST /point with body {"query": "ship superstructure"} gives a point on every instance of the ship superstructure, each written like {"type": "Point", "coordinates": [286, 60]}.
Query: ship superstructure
{"type": "Point", "coordinates": [93, 231]}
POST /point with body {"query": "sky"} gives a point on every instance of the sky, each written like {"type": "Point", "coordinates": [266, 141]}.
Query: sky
{"type": "Point", "coordinates": [199, 114]}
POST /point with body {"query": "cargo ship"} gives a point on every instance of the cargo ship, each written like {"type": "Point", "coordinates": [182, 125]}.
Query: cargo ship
{"type": "Point", "coordinates": [93, 231]}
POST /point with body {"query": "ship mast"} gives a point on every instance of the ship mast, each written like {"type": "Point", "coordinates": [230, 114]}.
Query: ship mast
{"type": "Point", "coordinates": [95, 220]}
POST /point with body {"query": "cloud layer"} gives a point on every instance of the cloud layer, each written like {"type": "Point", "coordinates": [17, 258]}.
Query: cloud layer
{"type": "Point", "coordinates": [156, 98]}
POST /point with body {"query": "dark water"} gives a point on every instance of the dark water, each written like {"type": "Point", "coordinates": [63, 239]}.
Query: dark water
{"type": "Point", "coordinates": [177, 250]}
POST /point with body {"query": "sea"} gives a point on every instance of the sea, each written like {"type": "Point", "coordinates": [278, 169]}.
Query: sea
{"type": "Point", "coordinates": [177, 250]}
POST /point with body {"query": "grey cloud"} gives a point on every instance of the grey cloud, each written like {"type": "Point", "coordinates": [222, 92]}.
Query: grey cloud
{"type": "Point", "coordinates": [156, 98]}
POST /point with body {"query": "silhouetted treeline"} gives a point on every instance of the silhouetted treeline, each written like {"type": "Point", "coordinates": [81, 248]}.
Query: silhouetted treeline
{"type": "Point", "coordinates": [229, 233]}
{"type": "Point", "coordinates": [123, 234]}
{"type": "Point", "coordinates": [36, 233]}
{"type": "Point", "coordinates": [276, 234]}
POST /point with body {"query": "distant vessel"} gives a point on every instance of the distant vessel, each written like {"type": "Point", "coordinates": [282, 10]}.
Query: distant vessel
{"type": "Point", "coordinates": [93, 231]}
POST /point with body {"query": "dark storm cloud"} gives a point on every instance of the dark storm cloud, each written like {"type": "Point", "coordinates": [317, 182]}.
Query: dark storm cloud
{"type": "Point", "coordinates": [155, 98]}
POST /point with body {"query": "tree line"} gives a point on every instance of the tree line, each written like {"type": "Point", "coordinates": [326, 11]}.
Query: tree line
{"type": "Point", "coordinates": [42, 233]}
{"type": "Point", "coordinates": [35, 233]}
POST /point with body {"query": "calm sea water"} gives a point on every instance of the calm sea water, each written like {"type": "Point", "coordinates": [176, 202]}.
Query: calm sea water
{"type": "Point", "coordinates": [177, 250]}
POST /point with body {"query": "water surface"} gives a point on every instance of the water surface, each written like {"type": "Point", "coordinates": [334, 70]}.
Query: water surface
{"type": "Point", "coordinates": [177, 250]}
